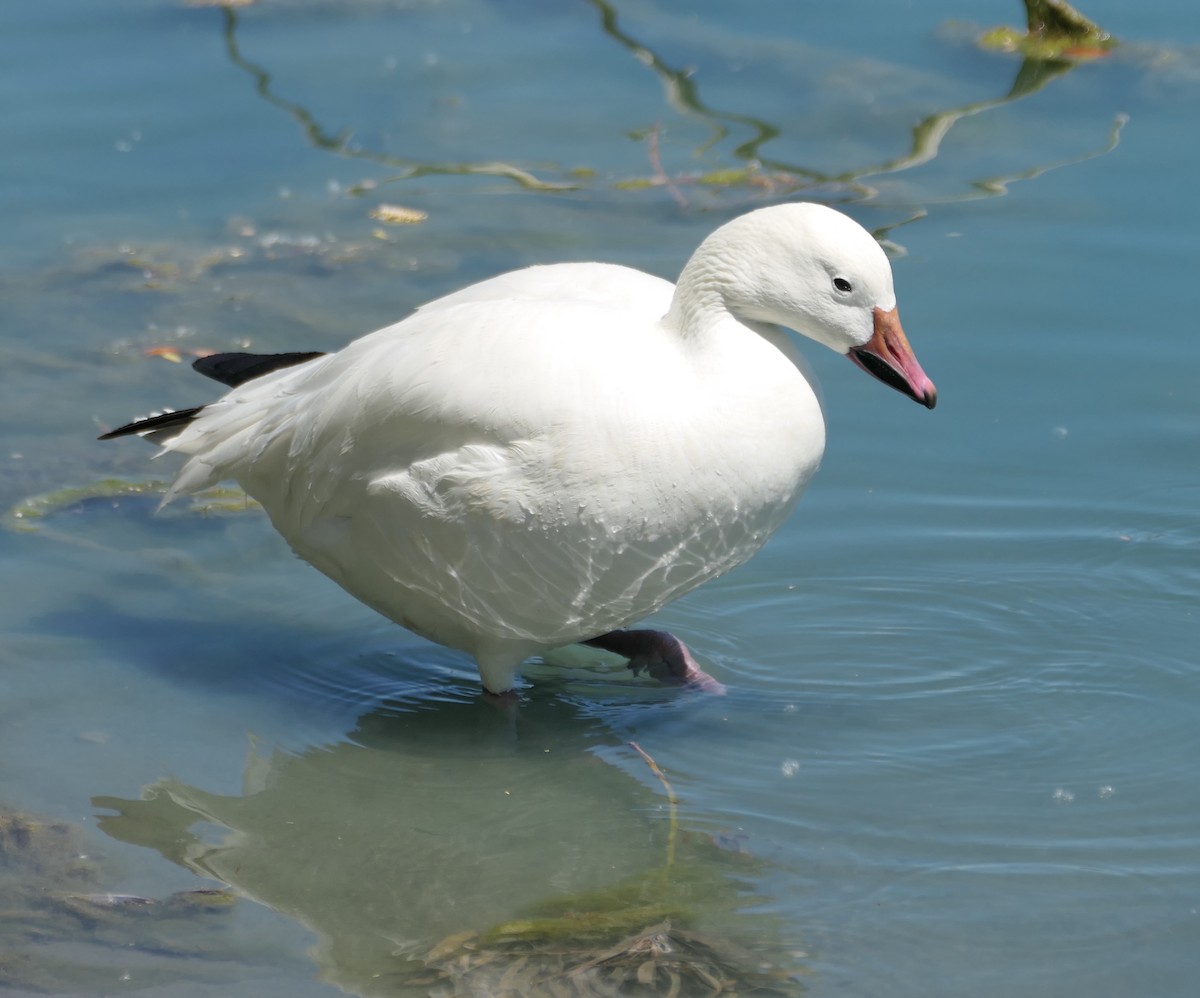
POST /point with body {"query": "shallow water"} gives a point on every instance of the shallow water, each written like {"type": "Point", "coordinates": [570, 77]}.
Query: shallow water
{"type": "Point", "coordinates": [958, 751]}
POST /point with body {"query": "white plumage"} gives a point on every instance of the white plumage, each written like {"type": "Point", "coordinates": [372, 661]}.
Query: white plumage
{"type": "Point", "coordinates": [552, 454]}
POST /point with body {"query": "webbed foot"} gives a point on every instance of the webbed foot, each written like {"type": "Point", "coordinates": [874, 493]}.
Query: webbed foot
{"type": "Point", "coordinates": [659, 653]}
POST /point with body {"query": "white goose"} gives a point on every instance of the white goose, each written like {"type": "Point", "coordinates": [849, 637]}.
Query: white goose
{"type": "Point", "coordinates": [552, 454]}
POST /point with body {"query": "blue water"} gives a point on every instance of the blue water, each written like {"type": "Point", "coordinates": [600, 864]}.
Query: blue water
{"type": "Point", "coordinates": [958, 753]}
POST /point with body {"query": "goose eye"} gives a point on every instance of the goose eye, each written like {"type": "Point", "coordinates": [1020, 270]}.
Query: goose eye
{"type": "Point", "coordinates": [842, 285]}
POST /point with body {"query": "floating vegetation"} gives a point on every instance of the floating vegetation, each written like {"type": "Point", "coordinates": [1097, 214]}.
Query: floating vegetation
{"type": "Point", "coordinates": [394, 214]}
{"type": "Point", "coordinates": [1054, 31]}
{"type": "Point", "coordinates": [1057, 35]}
{"type": "Point", "coordinates": [97, 907]}
{"type": "Point", "coordinates": [659, 959]}
{"type": "Point", "coordinates": [49, 898]}
{"type": "Point", "coordinates": [340, 142]}
{"type": "Point", "coordinates": [752, 176]}
{"type": "Point", "coordinates": [218, 3]}
{"type": "Point", "coordinates": [30, 514]}
{"type": "Point", "coordinates": [176, 268]}
{"type": "Point", "coordinates": [175, 354]}
{"type": "Point", "coordinates": [51, 850]}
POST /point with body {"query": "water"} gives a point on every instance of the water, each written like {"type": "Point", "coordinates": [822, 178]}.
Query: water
{"type": "Point", "coordinates": [958, 753]}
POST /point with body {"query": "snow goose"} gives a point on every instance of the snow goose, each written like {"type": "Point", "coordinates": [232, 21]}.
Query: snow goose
{"type": "Point", "coordinates": [553, 454]}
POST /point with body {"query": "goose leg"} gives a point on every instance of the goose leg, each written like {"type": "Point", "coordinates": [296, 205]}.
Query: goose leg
{"type": "Point", "coordinates": [661, 654]}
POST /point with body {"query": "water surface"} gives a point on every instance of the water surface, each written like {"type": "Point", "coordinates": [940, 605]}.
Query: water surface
{"type": "Point", "coordinates": [957, 756]}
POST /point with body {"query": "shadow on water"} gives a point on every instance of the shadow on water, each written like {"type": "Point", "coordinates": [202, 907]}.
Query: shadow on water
{"type": "Point", "coordinates": [476, 848]}
{"type": "Point", "coordinates": [430, 838]}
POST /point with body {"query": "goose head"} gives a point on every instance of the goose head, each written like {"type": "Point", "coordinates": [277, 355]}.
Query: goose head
{"type": "Point", "coordinates": [811, 269]}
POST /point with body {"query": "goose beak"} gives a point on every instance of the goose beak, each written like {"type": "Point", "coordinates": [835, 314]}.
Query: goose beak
{"type": "Point", "coordinates": [888, 357]}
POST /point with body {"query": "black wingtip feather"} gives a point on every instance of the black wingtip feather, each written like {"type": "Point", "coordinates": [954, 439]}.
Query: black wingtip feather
{"type": "Point", "coordinates": [151, 424]}
{"type": "Point", "coordinates": [235, 369]}
{"type": "Point", "coordinates": [230, 369]}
